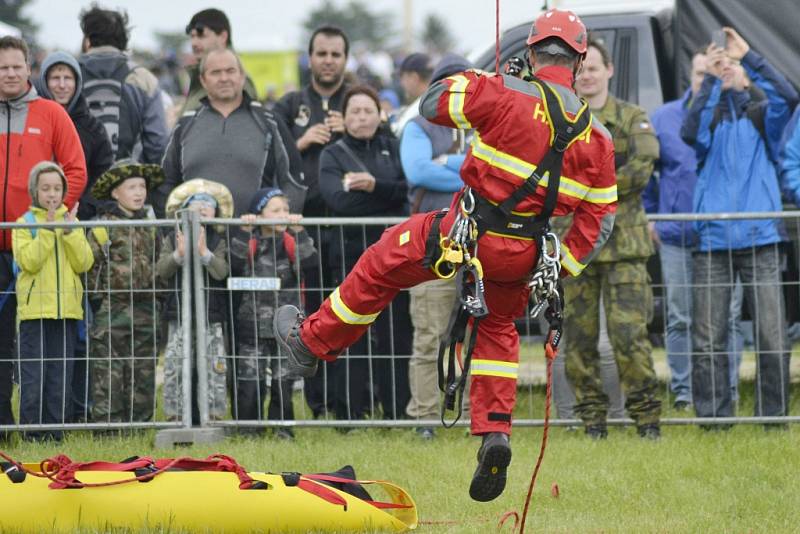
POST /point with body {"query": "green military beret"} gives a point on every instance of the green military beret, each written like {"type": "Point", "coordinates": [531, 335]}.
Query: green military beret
{"type": "Point", "coordinates": [122, 170]}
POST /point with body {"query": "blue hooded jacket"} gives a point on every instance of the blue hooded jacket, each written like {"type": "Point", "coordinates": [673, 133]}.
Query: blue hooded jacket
{"type": "Point", "coordinates": [790, 160]}
{"type": "Point", "coordinates": [677, 167]}
{"type": "Point", "coordinates": [736, 162]}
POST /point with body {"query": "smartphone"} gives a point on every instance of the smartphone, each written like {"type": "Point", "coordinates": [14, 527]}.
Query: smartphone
{"type": "Point", "coordinates": [718, 38]}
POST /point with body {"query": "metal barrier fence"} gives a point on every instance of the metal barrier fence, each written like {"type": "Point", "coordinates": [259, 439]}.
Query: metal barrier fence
{"type": "Point", "coordinates": [190, 319]}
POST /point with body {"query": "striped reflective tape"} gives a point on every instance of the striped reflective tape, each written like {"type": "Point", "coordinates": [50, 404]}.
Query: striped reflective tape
{"type": "Point", "coordinates": [346, 315]}
{"type": "Point", "coordinates": [569, 262]}
{"type": "Point", "coordinates": [523, 169]}
{"type": "Point", "coordinates": [494, 368]}
{"type": "Point", "coordinates": [456, 102]}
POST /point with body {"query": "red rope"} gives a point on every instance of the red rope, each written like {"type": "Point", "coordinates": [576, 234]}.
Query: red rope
{"type": "Point", "coordinates": [60, 469]}
{"type": "Point", "coordinates": [497, 36]}
{"type": "Point", "coordinates": [550, 353]}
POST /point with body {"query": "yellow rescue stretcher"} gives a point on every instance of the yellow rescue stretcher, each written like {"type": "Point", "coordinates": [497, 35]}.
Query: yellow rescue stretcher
{"type": "Point", "coordinates": [101, 496]}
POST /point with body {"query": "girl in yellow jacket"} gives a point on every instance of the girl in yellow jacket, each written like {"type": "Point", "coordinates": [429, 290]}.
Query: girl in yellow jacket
{"type": "Point", "coordinates": [49, 300]}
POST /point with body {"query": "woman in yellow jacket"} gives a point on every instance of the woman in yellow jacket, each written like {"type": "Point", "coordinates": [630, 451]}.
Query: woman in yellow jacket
{"type": "Point", "coordinates": [49, 301]}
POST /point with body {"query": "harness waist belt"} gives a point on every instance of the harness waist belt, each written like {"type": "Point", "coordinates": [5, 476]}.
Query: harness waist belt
{"type": "Point", "coordinates": [491, 219]}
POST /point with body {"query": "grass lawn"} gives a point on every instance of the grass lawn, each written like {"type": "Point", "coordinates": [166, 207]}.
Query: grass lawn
{"type": "Point", "coordinates": [744, 480]}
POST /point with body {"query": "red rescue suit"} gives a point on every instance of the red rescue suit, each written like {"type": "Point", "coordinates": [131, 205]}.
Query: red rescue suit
{"type": "Point", "coordinates": [511, 136]}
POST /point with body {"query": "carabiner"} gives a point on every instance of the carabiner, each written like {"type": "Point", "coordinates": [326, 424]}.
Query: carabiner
{"type": "Point", "coordinates": [468, 195]}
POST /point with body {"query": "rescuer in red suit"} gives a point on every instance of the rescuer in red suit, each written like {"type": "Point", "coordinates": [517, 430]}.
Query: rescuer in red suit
{"type": "Point", "coordinates": [512, 135]}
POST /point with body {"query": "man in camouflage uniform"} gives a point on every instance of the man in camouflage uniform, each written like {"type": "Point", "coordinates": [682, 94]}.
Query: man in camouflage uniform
{"type": "Point", "coordinates": [618, 273]}
{"type": "Point", "coordinates": [122, 347]}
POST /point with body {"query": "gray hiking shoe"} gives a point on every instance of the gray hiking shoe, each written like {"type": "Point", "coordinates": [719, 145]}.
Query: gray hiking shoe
{"type": "Point", "coordinates": [489, 479]}
{"type": "Point", "coordinates": [300, 361]}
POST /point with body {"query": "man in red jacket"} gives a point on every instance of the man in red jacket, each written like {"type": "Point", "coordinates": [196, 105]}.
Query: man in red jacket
{"type": "Point", "coordinates": [32, 129]}
{"type": "Point", "coordinates": [513, 122]}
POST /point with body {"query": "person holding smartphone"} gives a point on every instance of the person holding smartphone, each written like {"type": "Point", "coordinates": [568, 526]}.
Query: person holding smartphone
{"type": "Point", "coordinates": [736, 140]}
{"type": "Point", "coordinates": [313, 115]}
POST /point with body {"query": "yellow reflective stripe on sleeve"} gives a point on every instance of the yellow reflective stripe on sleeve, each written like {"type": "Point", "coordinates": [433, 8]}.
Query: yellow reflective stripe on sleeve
{"type": "Point", "coordinates": [569, 262]}
{"type": "Point", "coordinates": [456, 102]}
{"type": "Point", "coordinates": [523, 169]}
{"type": "Point", "coordinates": [494, 368]}
{"type": "Point", "coordinates": [346, 314]}
{"type": "Point", "coordinates": [501, 160]}
{"type": "Point", "coordinates": [601, 195]}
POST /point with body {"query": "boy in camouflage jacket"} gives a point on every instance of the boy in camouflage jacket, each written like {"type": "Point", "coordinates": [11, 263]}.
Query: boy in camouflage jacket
{"type": "Point", "coordinates": [122, 343]}
{"type": "Point", "coordinates": [280, 255]}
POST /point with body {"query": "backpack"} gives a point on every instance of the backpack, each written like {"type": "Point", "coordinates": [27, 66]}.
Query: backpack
{"type": "Point", "coordinates": [100, 234]}
{"type": "Point", "coordinates": [109, 102]}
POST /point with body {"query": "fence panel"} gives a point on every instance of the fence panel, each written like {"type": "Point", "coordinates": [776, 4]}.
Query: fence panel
{"type": "Point", "coordinates": [148, 333]}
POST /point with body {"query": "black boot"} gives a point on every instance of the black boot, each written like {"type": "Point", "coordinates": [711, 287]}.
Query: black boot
{"type": "Point", "coordinates": [596, 431]}
{"type": "Point", "coordinates": [300, 361]}
{"type": "Point", "coordinates": [650, 431]}
{"type": "Point", "coordinates": [489, 479]}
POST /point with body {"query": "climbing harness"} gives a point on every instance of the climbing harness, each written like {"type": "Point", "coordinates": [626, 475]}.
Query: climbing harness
{"type": "Point", "coordinates": [458, 250]}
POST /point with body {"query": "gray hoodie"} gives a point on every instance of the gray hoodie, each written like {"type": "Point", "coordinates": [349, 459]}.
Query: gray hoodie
{"type": "Point", "coordinates": [49, 62]}
{"type": "Point", "coordinates": [33, 179]}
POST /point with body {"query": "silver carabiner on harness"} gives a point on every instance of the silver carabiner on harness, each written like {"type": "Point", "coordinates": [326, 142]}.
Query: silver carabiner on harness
{"type": "Point", "coordinates": [544, 279]}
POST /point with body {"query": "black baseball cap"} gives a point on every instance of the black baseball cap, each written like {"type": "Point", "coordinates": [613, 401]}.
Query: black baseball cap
{"type": "Point", "coordinates": [213, 19]}
{"type": "Point", "coordinates": [417, 62]}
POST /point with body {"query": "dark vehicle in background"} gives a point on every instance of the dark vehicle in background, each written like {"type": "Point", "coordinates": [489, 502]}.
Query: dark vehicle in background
{"type": "Point", "coordinates": [639, 44]}
{"type": "Point", "coordinates": [652, 51]}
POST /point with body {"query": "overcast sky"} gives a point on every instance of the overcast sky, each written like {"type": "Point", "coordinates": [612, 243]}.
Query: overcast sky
{"type": "Point", "coordinates": [269, 24]}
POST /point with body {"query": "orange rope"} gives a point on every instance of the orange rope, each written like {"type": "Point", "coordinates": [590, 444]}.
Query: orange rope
{"type": "Point", "coordinates": [550, 353]}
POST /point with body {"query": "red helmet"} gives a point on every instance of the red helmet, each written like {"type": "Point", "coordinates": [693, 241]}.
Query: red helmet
{"type": "Point", "coordinates": [565, 25]}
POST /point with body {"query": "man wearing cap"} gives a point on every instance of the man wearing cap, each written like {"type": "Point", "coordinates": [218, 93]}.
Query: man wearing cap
{"type": "Point", "coordinates": [230, 139]}
{"type": "Point", "coordinates": [431, 156]}
{"type": "Point", "coordinates": [415, 75]}
{"type": "Point", "coordinates": [121, 290]}
{"type": "Point", "coordinates": [208, 30]}
{"type": "Point", "coordinates": [512, 136]}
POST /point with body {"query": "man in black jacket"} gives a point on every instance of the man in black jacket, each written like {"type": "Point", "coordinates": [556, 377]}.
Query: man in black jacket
{"type": "Point", "coordinates": [61, 80]}
{"type": "Point", "coordinates": [314, 117]}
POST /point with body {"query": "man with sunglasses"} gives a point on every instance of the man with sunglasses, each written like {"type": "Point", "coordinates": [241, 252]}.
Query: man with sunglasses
{"type": "Point", "coordinates": [208, 30]}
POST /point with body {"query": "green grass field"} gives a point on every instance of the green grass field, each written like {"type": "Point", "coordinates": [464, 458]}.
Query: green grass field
{"type": "Point", "coordinates": [744, 480]}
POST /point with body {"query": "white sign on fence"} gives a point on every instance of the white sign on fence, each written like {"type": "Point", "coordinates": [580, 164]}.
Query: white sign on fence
{"type": "Point", "coordinates": [254, 284]}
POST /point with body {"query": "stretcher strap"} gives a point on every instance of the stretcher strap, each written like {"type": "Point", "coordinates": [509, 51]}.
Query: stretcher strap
{"type": "Point", "coordinates": [342, 480]}
{"type": "Point", "coordinates": [61, 470]}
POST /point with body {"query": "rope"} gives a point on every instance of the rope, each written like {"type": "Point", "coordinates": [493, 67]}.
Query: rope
{"type": "Point", "coordinates": [550, 352]}
{"type": "Point", "coordinates": [497, 36]}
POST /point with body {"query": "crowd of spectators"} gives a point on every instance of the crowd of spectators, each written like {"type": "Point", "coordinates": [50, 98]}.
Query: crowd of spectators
{"type": "Point", "coordinates": [89, 138]}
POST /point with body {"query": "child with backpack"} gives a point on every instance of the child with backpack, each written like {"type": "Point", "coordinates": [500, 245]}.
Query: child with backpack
{"type": "Point", "coordinates": [278, 254]}
{"type": "Point", "coordinates": [210, 199]}
{"type": "Point", "coordinates": [122, 339]}
{"type": "Point", "coordinates": [49, 301]}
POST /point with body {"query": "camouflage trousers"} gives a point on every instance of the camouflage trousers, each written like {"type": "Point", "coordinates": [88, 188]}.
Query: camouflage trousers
{"type": "Point", "coordinates": [216, 366]}
{"type": "Point", "coordinates": [255, 366]}
{"type": "Point", "coordinates": [628, 301]}
{"type": "Point", "coordinates": [123, 354]}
